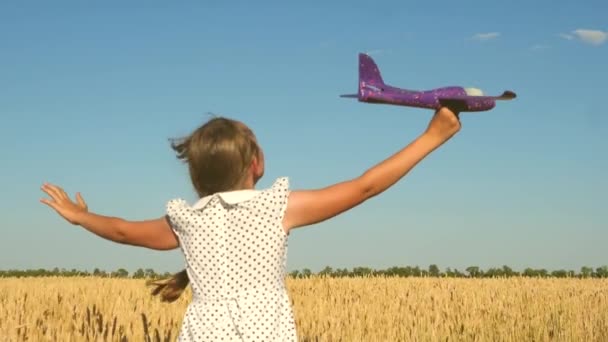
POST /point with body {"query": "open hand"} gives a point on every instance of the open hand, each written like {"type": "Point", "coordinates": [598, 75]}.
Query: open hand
{"type": "Point", "coordinates": [62, 203]}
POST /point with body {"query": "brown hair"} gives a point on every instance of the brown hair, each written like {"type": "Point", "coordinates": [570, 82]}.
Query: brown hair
{"type": "Point", "coordinates": [219, 154]}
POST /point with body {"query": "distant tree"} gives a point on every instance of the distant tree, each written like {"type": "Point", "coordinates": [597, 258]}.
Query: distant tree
{"type": "Point", "coordinates": [149, 273]}
{"type": "Point", "coordinates": [396, 271]}
{"type": "Point", "coordinates": [120, 273]}
{"type": "Point", "coordinates": [508, 272]}
{"type": "Point", "coordinates": [473, 271]}
{"type": "Point", "coordinates": [529, 272]}
{"type": "Point", "coordinates": [449, 273]}
{"type": "Point", "coordinates": [434, 270]}
{"type": "Point", "coordinates": [586, 272]}
{"type": "Point", "coordinates": [341, 272]}
{"type": "Point", "coordinates": [139, 274]}
{"type": "Point", "coordinates": [361, 271]}
{"type": "Point", "coordinates": [601, 272]}
{"type": "Point", "coordinates": [492, 273]}
{"type": "Point", "coordinates": [327, 271]}
{"type": "Point", "coordinates": [306, 272]}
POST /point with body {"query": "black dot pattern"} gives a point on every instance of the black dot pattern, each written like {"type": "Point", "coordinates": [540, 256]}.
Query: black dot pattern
{"type": "Point", "coordinates": [236, 258]}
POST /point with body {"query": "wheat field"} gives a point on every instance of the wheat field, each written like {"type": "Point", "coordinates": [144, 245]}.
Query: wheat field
{"type": "Point", "coordinates": [326, 309]}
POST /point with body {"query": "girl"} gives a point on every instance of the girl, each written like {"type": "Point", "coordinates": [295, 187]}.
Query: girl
{"type": "Point", "coordinates": [234, 238]}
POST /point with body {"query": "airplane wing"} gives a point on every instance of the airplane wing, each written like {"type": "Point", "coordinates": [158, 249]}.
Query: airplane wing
{"type": "Point", "coordinates": [472, 103]}
{"type": "Point", "coordinates": [507, 95]}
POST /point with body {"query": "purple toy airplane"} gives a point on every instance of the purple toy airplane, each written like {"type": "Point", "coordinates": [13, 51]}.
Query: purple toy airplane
{"type": "Point", "coordinates": [372, 89]}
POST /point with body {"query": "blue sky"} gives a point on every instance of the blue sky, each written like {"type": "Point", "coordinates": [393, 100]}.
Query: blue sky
{"type": "Point", "coordinates": [90, 95]}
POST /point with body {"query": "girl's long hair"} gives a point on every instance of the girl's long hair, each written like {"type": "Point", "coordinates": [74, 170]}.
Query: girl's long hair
{"type": "Point", "coordinates": [218, 154]}
{"type": "Point", "coordinates": [171, 289]}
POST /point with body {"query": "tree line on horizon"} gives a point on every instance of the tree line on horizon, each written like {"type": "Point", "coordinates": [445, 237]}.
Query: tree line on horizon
{"type": "Point", "coordinates": [396, 271]}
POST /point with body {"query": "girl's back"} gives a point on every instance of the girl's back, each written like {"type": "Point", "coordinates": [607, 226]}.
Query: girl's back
{"type": "Point", "coordinates": [236, 249]}
{"type": "Point", "coordinates": [235, 238]}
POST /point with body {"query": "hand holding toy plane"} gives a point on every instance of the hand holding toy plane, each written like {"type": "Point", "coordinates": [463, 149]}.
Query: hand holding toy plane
{"type": "Point", "coordinates": [372, 89]}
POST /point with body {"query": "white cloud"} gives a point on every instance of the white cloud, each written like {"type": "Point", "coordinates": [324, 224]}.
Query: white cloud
{"type": "Point", "coordinates": [486, 36]}
{"type": "Point", "coordinates": [593, 37]}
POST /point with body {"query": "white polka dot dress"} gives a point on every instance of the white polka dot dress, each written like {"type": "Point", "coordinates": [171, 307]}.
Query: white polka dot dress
{"type": "Point", "coordinates": [236, 252]}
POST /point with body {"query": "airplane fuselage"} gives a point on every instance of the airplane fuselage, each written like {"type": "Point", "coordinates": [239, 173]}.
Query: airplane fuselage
{"type": "Point", "coordinates": [431, 99]}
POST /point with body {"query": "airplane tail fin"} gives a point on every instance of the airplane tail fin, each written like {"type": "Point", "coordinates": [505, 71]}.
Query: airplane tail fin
{"type": "Point", "coordinates": [369, 71]}
{"type": "Point", "coordinates": [369, 77]}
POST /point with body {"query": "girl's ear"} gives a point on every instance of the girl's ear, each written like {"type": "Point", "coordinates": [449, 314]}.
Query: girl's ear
{"type": "Point", "coordinates": [257, 166]}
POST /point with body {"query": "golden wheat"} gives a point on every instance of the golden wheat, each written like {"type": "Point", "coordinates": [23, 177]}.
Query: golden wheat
{"type": "Point", "coordinates": [326, 309]}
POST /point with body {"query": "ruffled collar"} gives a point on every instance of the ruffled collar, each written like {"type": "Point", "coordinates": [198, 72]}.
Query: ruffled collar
{"type": "Point", "coordinates": [238, 196]}
{"type": "Point", "coordinates": [229, 197]}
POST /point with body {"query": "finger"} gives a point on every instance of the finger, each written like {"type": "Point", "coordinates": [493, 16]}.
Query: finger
{"type": "Point", "coordinates": [58, 191]}
{"type": "Point", "coordinates": [49, 203]}
{"type": "Point", "coordinates": [50, 191]}
{"type": "Point", "coordinates": [62, 192]}
{"type": "Point", "coordinates": [80, 200]}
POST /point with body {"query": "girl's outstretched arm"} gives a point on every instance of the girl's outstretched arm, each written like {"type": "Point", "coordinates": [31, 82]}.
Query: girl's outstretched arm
{"type": "Point", "coordinates": [313, 206]}
{"type": "Point", "coordinates": [154, 234]}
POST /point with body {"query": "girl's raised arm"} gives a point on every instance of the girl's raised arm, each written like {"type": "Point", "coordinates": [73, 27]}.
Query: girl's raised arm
{"type": "Point", "coordinates": [155, 234]}
{"type": "Point", "coordinates": [313, 206]}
